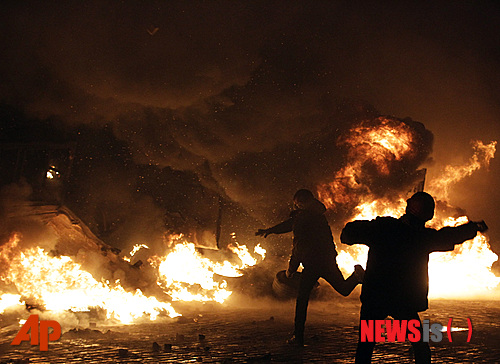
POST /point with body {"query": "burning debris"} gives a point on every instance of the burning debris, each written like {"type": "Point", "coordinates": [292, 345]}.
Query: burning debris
{"type": "Point", "coordinates": [58, 283]}
{"type": "Point", "coordinates": [184, 268]}
{"type": "Point", "coordinates": [52, 261]}
{"type": "Point", "coordinates": [64, 268]}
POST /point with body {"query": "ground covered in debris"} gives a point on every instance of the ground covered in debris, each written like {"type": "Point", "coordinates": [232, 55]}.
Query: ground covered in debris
{"type": "Point", "coordinates": [249, 331]}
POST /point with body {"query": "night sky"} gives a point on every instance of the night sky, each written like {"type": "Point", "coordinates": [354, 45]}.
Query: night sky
{"type": "Point", "coordinates": [172, 104]}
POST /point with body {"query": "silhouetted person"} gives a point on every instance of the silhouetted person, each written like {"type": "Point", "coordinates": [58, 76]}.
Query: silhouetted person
{"type": "Point", "coordinates": [313, 246]}
{"type": "Point", "coordinates": [396, 282]}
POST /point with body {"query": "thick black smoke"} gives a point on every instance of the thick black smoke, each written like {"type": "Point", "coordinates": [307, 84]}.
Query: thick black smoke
{"type": "Point", "coordinates": [180, 103]}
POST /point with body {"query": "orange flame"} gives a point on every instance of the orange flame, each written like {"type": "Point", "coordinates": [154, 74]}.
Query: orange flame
{"type": "Point", "coordinates": [186, 275]}
{"type": "Point", "coordinates": [483, 153]}
{"type": "Point", "coordinates": [373, 144]}
{"type": "Point", "coordinates": [60, 284]}
{"type": "Point", "coordinates": [376, 144]}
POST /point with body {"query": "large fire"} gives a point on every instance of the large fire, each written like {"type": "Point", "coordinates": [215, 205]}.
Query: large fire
{"type": "Point", "coordinates": [373, 144]}
{"type": "Point", "coordinates": [32, 276]}
{"type": "Point", "coordinates": [186, 275]}
{"type": "Point", "coordinates": [465, 272]}
{"type": "Point", "coordinates": [58, 284]}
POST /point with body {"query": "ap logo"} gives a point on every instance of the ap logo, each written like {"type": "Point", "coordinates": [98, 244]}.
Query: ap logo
{"type": "Point", "coordinates": [37, 332]}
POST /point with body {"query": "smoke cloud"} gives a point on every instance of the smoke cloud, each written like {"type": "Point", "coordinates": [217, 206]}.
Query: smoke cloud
{"type": "Point", "coordinates": [173, 105]}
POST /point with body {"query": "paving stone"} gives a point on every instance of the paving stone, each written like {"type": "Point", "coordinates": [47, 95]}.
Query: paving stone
{"type": "Point", "coordinates": [228, 334]}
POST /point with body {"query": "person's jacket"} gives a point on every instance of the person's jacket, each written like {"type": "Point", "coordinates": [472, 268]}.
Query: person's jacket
{"type": "Point", "coordinates": [313, 244]}
{"type": "Point", "coordinates": [397, 266]}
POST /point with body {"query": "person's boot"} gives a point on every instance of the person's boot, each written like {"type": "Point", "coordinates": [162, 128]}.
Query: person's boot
{"type": "Point", "coordinates": [359, 272]}
{"type": "Point", "coordinates": [296, 340]}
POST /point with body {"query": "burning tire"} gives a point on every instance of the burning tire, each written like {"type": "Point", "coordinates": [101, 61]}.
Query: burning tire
{"type": "Point", "coordinates": [287, 288]}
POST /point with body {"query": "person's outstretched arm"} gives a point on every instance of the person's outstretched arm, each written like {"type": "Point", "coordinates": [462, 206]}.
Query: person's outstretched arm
{"type": "Point", "coordinates": [283, 227]}
{"type": "Point", "coordinates": [446, 238]}
{"type": "Point", "coordinates": [358, 232]}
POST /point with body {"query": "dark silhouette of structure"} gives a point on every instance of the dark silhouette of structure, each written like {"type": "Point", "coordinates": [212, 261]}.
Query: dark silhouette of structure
{"type": "Point", "coordinates": [313, 246]}
{"type": "Point", "coordinates": [396, 282]}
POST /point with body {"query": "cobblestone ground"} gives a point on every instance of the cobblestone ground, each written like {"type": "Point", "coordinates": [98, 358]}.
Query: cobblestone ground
{"type": "Point", "coordinates": [255, 332]}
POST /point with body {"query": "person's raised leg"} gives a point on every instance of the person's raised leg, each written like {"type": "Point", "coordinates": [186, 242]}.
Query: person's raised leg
{"type": "Point", "coordinates": [333, 275]}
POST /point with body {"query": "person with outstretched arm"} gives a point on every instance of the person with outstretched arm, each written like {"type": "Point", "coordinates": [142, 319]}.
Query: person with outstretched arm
{"type": "Point", "coordinates": [313, 246]}
{"type": "Point", "coordinates": [396, 281]}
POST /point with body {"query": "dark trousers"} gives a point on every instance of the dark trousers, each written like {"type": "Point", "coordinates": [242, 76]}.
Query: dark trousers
{"type": "Point", "coordinates": [308, 279]}
{"type": "Point", "coordinates": [364, 351]}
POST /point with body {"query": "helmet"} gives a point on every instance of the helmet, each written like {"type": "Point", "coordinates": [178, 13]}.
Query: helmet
{"type": "Point", "coordinates": [421, 205]}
